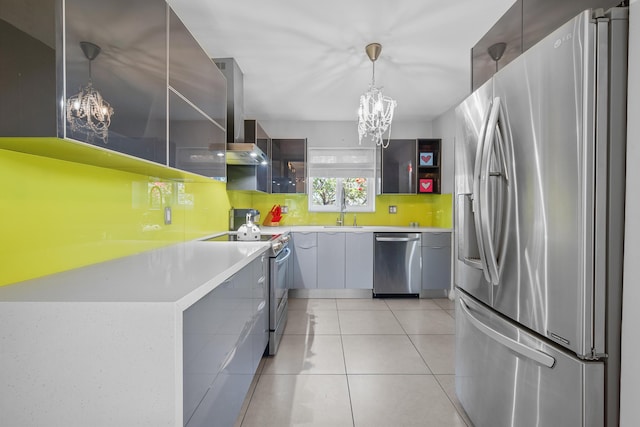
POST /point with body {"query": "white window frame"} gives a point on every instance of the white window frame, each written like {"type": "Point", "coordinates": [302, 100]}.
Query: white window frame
{"type": "Point", "coordinates": [342, 163]}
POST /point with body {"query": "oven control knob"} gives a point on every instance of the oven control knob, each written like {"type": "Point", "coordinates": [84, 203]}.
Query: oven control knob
{"type": "Point", "coordinates": [285, 239]}
{"type": "Point", "coordinates": [276, 246]}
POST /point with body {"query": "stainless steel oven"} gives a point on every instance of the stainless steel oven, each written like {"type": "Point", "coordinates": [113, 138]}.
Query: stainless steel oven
{"type": "Point", "coordinates": [279, 272]}
{"type": "Point", "coordinates": [279, 290]}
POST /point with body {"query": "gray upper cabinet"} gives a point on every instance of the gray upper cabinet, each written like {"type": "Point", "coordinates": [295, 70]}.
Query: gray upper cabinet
{"type": "Point", "coordinates": [288, 165]}
{"type": "Point", "coordinates": [522, 26]}
{"type": "Point", "coordinates": [141, 46]}
{"type": "Point", "coordinates": [194, 75]}
{"type": "Point", "coordinates": [197, 106]}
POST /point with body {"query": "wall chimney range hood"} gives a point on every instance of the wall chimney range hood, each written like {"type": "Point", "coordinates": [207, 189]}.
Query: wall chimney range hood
{"type": "Point", "coordinates": [245, 153]}
{"type": "Point", "coordinates": [241, 146]}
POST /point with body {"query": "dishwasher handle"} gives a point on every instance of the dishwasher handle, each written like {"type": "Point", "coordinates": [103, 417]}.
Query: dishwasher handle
{"type": "Point", "coordinates": [397, 239]}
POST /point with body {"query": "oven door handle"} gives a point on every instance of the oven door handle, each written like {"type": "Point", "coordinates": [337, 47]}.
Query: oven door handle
{"type": "Point", "coordinates": [285, 257]}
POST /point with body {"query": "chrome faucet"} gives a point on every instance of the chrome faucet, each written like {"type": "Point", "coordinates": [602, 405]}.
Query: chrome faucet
{"type": "Point", "coordinates": [343, 207]}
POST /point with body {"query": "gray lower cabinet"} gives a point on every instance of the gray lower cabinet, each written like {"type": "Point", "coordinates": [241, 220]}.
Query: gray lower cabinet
{"type": "Point", "coordinates": [331, 260]}
{"type": "Point", "coordinates": [436, 262]}
{"type": "Point", "coordinates": [225, 335]}
{"type": "Point", "coordinates": [359, 261]}
{"type": "Point", "coordinates": [305, 249]}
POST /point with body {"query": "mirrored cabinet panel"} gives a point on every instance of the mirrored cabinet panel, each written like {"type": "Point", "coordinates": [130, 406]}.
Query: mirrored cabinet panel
{"type": "Point", "coordinates": [28, 68]}
{"type": "Point", "coordinates": [101, 73]}
{"type": "Point", "coordinates": [194, 74]}
{"type": "Point", "coordinates": [115, 66]}
{"type": "Point", "coordinates": [288, 164]}
{"type": "Point", "coordinates": [196, 143]}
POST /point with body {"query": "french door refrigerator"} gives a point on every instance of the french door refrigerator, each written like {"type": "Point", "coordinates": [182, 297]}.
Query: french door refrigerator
{"type": "Point", "coordinates": [539, 183]}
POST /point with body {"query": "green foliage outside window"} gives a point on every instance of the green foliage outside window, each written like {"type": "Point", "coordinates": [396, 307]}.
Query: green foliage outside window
{"type": "Point", "coordinates": [324, 191]}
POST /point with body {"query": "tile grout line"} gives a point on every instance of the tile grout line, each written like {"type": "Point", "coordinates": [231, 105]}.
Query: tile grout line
{"type": "Point", "coordinates": [462, 417]}
{"type": "Point", "coordinates": [346, 374]}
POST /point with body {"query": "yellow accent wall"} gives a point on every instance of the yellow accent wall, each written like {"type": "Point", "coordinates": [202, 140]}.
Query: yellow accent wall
{"type": "Point", "coordinates": [65, 205]}
{"type": "Point", "coordinates": [429, 210]}
{"type": "Point", "coordinates": [58, 215]}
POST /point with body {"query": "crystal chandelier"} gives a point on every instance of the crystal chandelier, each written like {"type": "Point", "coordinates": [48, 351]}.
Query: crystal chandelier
{"type": "Point", "coordinates": [376, 110]}
{"type": "Point", "coordinates": [87, 111]}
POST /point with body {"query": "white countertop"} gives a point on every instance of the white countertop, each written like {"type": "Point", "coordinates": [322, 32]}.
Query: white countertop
{"type": "Point", "coordinates": [351, 229]}
{"type": "Point", "coordinates": [181, 274]}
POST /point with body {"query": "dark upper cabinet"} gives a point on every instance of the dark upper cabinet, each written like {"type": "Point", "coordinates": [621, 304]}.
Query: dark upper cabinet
{"type": "Point", "coordinates": [28, 69]}
{"type": "Point", "coordinates": [143, 46]}
{"type": "Point", "coordinates": [507, 30]}
{"type": "Point", "coordinates": [288, 165]}
{"type": "Point", "coordinates": [194, 75]}
{"type": "Point", "coordinates": [522, 26]}
{"type": "Point", "coordinates": [399, 167]}
{"type": "Point", "coordinates": [130, 72]}
{"type": "Point", "coordinates": [251, 177]}
{"type": "Point", "coordinates": [411, 166]}
{"type": "Point", "coordinates": [197, 106]}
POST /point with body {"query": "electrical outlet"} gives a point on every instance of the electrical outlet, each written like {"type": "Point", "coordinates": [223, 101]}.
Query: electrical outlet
{"type": "Point", "coordinates": [167, 215]}
{"type": "Point", "coordinates": [393, 209]}
{"type": "Point", "coordinates": [284, 209]}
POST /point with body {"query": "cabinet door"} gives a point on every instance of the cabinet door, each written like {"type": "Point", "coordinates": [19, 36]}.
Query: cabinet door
{"type": "Point", "coordinates": [359, 261]}
{"type": "Point", "coordinates": [288, 164]}
{"type": "Point", "coordinates": [305, 260]}
{"type": "Point", "coordinates": [436, 267]}
{"type": "Point", "coordinates": [260, 330]}
{"type": "Point", "coordinates": [130, 73]}
{"type": "Point", "coordinates": [399, 167]}
{"type": "Point", "coordinates": [331, 260]}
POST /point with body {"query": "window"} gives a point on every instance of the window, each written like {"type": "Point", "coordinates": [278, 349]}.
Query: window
{"type": "Point", "coordinates": [337, 172]}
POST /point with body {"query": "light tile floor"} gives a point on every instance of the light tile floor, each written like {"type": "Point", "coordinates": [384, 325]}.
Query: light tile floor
{"type": "Point", "coordinates": [359, 363]}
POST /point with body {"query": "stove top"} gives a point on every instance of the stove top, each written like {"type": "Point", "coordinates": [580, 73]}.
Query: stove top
{"type": "Point", "coordinates": [278, 241]}
{"type": "Point", "coordinates": [234, 238]}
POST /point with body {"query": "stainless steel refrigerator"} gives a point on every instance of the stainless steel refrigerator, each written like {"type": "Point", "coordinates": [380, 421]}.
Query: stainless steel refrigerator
{"type": "Point", "coordinates": [539, 190]}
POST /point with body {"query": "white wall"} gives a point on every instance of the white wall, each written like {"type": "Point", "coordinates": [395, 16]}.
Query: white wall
{"type": "Point", "coordinates": [338, 134]}
{"type": "Point", "coordinates": [444, 127]}
{"type": "Point", "coordinates": [630, 381]}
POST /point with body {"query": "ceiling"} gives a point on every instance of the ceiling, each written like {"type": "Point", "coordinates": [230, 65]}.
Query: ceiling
{"type": "Point", "coordinates": [305, 60]}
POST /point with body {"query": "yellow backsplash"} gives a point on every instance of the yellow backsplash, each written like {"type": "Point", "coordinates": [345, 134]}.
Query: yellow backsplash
{"type": "Point", "coordinates": [57, 215]}
{"type": "Point", "coordinates": [428, 210]}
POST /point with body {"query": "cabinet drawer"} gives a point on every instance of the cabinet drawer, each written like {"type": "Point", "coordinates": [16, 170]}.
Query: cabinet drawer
{"type": "Point", "coordinates": [436, 239]}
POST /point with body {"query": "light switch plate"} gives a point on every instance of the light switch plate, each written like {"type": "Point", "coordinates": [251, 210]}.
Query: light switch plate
{"type": "Point", "coordinates": [393, 209]}
{"type": "Point", "coordinates": [284, 209]}
{"type": "Point", "coordinates": [167, 215]}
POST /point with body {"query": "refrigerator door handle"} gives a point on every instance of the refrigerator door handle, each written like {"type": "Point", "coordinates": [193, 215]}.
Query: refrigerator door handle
{"type": "Point", "coordinates": [476, 199]}
{"type": "Point", "coordinates": [523, 350]}
{"type": "Point", "coordinates": [494, 141]}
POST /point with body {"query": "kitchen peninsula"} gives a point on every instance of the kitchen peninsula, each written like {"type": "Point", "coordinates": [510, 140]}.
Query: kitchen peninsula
{"type": "Point", "coordinates": [117, 343]}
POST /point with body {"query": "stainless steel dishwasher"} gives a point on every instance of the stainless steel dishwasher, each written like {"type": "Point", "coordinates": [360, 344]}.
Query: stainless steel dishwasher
{"type": "Point", "coordinates": [396, 268]}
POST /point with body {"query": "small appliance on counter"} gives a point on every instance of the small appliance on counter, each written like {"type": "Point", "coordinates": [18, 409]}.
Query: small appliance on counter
{"type": "Point", "coordinates": [248, 230]}
{"type": "Point", "coordinates": [237, 217]}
